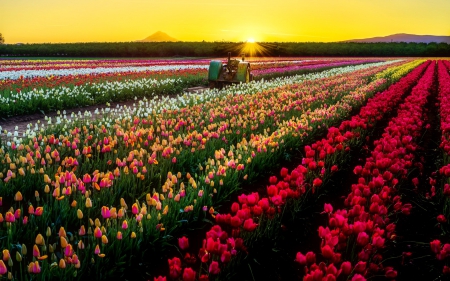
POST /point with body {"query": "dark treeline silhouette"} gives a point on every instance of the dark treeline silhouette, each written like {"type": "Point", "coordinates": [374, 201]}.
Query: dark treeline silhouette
{"type": "Point", "coordinates": [218, 49]}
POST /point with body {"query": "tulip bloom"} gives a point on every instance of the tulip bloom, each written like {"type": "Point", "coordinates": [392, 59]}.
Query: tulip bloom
{"type": "Point", "coordinates": [40, 240]}
{"type": "Point", "coordinates": [249, 225]}
{"type": "Point", "coordinates": [3, 268]}
{"type": "Point", "coordinates": [18, 196]}
{"type": "Point", "coordinates": [135, 209]}
{"type": "Point", "coordinates": [39, 211]}
{"type": "Point", "coordinates": [6, 255]}
{"type": "Point", "coordinates": [183, 243]}
{"type": "Point", "coordinates": [97, 232]}
{"type": "Point", "coordinates": [9, 217]}
{"type": "Point", "coordinates": [214, 268]}
{"type": "Point", "coordinates": [300, 258]}
{"type": "Point", "coordinates": [36, 252]}
{"type": "Point", "coordinates": [105, 212]}
{"type": "Point", "coordinates": [33, 267]}
{"type": "Point", "coordinates": [435, 246]}
{"type": "Point", "coordinates": [189, 274]}
{"type": "Point", "coordinates": [175, 268]}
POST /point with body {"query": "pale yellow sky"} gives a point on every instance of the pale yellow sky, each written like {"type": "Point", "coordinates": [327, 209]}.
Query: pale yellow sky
{"type": "Point", "coordinates": [40, 21]}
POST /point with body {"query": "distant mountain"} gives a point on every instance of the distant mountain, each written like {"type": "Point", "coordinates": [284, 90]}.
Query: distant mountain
{"type": "Point", "coordinates": [159, 37]}
{"type": "Point", "coordinates": [403, 37]}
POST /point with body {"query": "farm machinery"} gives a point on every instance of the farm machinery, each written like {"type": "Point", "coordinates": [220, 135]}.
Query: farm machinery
{"type": "Point", "coordinates": [233, 72]}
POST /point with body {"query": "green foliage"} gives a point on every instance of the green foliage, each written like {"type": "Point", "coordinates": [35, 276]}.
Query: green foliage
{"type": "Point", "coordinates": [212, 49]}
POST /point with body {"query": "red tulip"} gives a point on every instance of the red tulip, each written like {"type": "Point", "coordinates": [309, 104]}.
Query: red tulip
{"type": "Point", "coordinates": [391, 274]}
{"type": "Point", "coordinates": [362, 239]}
{"type": "Point", "coordinates": [435, 246]}
{"type": "Point", "coordinates": [317, 182]}
{"type": "Point", "coordinates": [441, 218]}
{"type": "Point", "coordinates": [358, 277]}
{"type": "Point", "coordinates": [360, 267]}
{"type": "Point", "coordinates": [249, 225]}
{"type": "Point", "coordinates": [189, 274]}
{"type": "Point", "coordinates": [346, 267]}
{"type": "Point", "coordinates": [327, 208]}
{"type": "Point", "coordinates": [225, 257]}
{"type": "Point", "coordinates": [284, 172]}
{"type": "Point", "coordinates": [174, 267]}
{"type": "Point", "coordinates": [214, 268]}
{"type": "Point", "coordinates": [183, 243]}
{"type": "Point", "coordinates": [327, 252]}
{"type": "Point", "coordinates": [310, 257]}
{"type": "Point", "coordinates": [300, 258]}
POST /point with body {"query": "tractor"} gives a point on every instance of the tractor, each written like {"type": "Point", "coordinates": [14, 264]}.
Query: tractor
{"type": "Point", "coordinates": [233, 72]}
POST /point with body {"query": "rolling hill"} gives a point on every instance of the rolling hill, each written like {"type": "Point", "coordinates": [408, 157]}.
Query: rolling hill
{"type": "Point", "coordinates": [403, 37]}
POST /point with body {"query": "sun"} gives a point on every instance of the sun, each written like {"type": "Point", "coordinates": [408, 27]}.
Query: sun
{"type": "Point", "coordinates": [250, 40]}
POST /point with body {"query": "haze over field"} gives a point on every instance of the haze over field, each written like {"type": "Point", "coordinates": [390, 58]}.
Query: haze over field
{"type": "Point", "coordinates": [55, 21]}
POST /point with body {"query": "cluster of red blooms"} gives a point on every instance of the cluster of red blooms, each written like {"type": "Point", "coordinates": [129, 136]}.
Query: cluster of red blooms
{"type": "Point", "coordinates": [217, 250]}
{"type": "Point", "coordinates": [366, 222]}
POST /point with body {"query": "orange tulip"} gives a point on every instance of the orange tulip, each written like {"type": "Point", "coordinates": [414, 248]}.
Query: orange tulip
{"type": "Point", "coordinates": [63, 242]}
{"type": "Point", "coordinates": [40, 240]}
{"type": "Point", "coordinates": [62, 264]}
{"type": "Point", "coordinates": [3, 268]}
{"type": "Point", "coordinates": [6, 255]}
{"type": "Point", "coordinates": [62, 232]}
{"type": "Point", "coordinates": [18, 196]}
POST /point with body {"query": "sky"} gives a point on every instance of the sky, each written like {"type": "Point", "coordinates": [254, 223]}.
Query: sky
{"type": "Point", "coordinates": [61, 21]}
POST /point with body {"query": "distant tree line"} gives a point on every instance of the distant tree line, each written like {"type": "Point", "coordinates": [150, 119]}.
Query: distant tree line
{"type": "Point", "coordinates": [220, 49]}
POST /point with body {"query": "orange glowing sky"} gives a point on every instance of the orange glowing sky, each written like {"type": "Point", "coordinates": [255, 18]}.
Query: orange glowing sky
{"type": "Point", "coordinates": [52, 21]}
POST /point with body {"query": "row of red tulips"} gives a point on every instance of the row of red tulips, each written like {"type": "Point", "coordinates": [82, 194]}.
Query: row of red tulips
{"type": "Point", "coordinates": [441, 249]}
{"type": "Point", "coordinates": [252, 214]}
{"type": "Point", "coordinates": [367, 223]}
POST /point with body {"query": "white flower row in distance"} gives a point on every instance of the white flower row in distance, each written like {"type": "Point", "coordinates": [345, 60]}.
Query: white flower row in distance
{"type": "Point", "coordinates": [18, 74]}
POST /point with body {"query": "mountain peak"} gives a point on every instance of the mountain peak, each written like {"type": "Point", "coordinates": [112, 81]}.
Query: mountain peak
{"type": "Point", "coordinates": [159, 36]}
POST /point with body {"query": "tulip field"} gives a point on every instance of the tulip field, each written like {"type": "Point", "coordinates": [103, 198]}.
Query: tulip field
{"type": "Point", "coordinates": [319, 169]}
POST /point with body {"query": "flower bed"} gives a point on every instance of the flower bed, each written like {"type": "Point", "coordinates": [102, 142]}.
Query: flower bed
{"type": "Point", "coordinates": [255, 215]}
{"type": "Point", "coordinates": [80, 187]}
{"type": "Point", "coordinates": [53, 89]}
